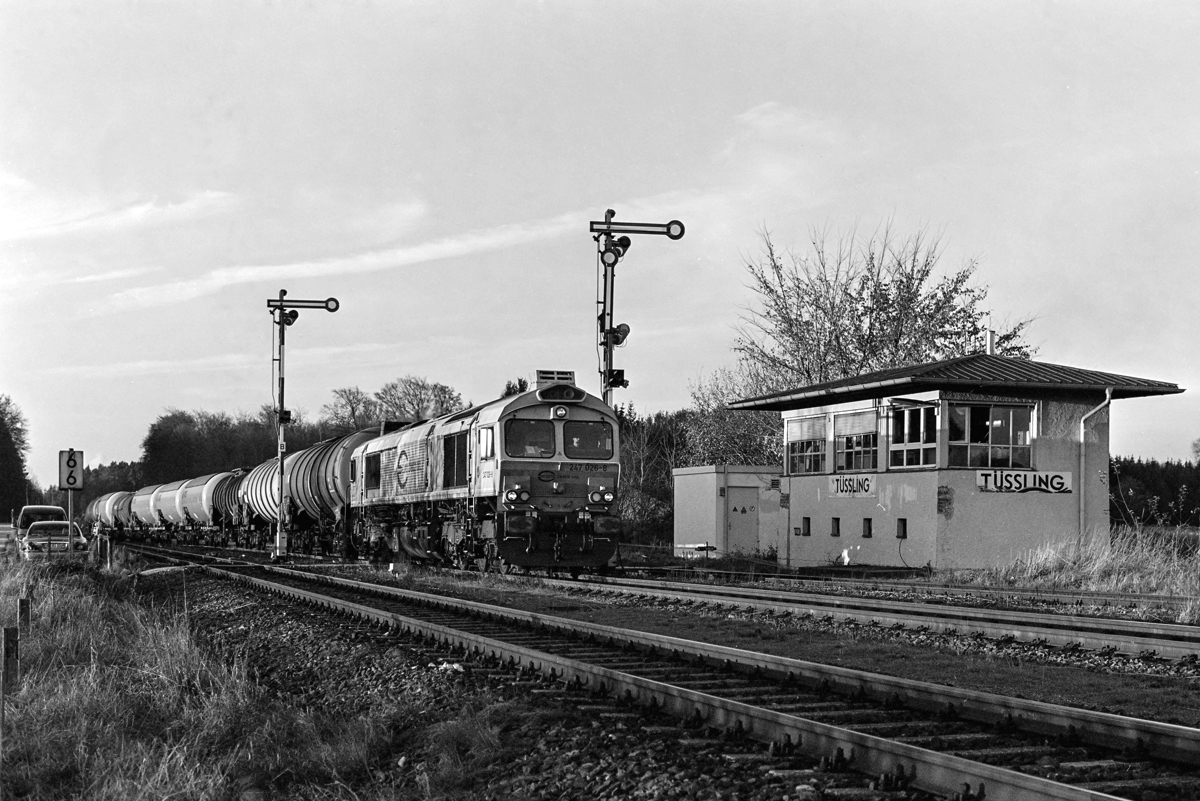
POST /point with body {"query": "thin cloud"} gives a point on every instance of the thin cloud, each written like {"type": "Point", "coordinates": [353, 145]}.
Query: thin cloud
{"type": "Point", "coordinates": [133, 215]}
{"type": "Point", "coordinates": [478, 241]}
{"type": "Point", "coordinates": [111, 275]}
{"type": "Point", "coordinates": [205, 364]}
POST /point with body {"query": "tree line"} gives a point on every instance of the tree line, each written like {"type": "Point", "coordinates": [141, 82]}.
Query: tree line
{"type": "Point", "coordinates": [1153, 493]}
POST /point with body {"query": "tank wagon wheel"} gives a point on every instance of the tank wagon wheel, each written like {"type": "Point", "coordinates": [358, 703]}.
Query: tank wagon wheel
{"type": "Point", "coordinates": [495, 564]}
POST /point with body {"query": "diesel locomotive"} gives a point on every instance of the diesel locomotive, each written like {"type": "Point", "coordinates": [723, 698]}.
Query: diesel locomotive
{"type": "Point", "coordinates": [528, 481]}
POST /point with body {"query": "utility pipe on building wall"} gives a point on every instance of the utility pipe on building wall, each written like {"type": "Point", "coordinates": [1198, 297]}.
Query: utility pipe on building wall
{"type": "Point", "coordinates": [1108, 391]}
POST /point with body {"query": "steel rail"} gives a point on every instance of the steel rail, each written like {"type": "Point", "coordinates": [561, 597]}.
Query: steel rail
{"type": "Point", "coordinates": [1063, 596]}
{"type": "Point", "coordinates": [1168, 640]}
{"type": "Point", "coordinates": [930, 771]}
{"type": "Point", "coordinates": [1169, 741]}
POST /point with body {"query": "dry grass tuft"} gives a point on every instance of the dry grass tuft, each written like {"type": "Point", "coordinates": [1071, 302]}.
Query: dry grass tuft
{"type": "Point", "coordinates": [1151, 560]}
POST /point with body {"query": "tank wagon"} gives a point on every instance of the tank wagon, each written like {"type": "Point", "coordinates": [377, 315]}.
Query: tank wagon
{"type": "Point", "coordinates": [111, 511]}
{"type": "Point", "coordinates": [196, 500]}
{"type": "Point", "coordinates": [528, 481]}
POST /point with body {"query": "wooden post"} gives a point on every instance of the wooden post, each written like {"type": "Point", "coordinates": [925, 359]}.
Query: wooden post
{"type": "Point", "coordinates": [12, 658]}
{"type": "Point", "coordinates": [8, 680]}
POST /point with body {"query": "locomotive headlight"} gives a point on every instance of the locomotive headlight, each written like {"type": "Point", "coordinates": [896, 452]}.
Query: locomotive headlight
{"type": "Point", "coordinates": [595, 497]}
{"type": "Point", "coordinates": [511, 496]}
{"type": "Point", "coordinates": [524, 496]}
{"type": "Point", "coordinates": [560, 412]}
{"type": "Point", "coordinates": [608, 497]}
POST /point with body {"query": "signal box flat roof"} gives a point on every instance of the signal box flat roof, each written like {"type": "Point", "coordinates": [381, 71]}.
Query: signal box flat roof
{"type": "Point", "coordinates": [978, 372]}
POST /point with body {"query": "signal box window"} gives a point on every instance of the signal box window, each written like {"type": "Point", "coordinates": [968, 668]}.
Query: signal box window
{"type": "Point", "coordinates": [584, 440]}
{"type": "Point", "coordinates": [806, 445]}
{"type": "Point", "coordinates": [372, 472]}
{"type": "Point", "coordinates": [991, 436]}
{"type": "Point", "coordinates": [914, 436]}
{"type": "Point", "coordinates": [855, 441]}
{"type": "Point", "coordinates": [529, 439]}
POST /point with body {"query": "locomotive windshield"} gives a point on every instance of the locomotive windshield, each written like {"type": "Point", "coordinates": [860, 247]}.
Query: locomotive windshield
{"type": "Point", "coordinates": [587, 440]}
{"type": "Point", "coordinates": [529, 438]}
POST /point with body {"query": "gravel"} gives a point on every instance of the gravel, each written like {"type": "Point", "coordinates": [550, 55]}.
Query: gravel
{"type": "Point", "coordinates": [473, 732]}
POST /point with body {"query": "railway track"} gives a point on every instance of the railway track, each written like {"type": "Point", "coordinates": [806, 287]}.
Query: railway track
{"type": "Point", "coordinates": [1060, 628]}
{"type": "Point", "coordinates": [905, 735]}
{"type": "Point", "coordinates": [1062, 597]}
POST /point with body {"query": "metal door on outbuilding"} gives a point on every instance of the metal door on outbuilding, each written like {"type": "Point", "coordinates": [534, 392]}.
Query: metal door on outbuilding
{"type": "Point", "coordinates": [722, 509]}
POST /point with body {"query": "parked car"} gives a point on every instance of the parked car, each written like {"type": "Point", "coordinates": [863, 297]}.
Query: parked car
{"type": "Point", "coordinates": [53, 538]}
{"type": "Point", "coordinates": [32, 514]}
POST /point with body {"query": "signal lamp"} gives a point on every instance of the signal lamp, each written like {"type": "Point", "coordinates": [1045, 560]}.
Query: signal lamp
{"type": "Point", "coordinates": [618, 334]}
{"type": "Point", "coordinates": [614, 250]}
{"type": "Point", "coordinates": [524, 496]}
{"type": "Point", "coordinates": [615, 378]}
{"type": "Point", "coordinates": [560, 412]}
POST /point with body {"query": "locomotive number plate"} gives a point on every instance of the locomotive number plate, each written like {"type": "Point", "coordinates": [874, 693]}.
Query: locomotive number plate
{"type": "Point", "coordinates": [575, 467]}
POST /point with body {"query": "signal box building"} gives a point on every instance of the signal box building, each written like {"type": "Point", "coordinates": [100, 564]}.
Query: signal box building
{"type": "Point", "coordinates": [964, 463]}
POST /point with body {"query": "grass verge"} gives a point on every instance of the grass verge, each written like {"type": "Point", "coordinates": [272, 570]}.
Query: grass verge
{"type": "Point", "coordinates": [118, 700]}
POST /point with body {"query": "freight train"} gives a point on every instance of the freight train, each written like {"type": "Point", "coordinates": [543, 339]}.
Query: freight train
{"type": "Point", "coordinates": [527, 481]}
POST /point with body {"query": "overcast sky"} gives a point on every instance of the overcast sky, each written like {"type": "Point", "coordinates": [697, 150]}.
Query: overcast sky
{"type": "Point", "coordinates": [167, 167]}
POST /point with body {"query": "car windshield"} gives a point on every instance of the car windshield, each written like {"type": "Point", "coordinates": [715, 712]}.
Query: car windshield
{"type": "Point", "coordinates": [49, 529]}
{"type": "Point", "coordinates": [29, 518]}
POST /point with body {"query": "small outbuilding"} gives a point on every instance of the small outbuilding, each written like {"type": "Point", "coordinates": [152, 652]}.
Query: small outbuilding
{"type": "Point", "coordinates": [963, 463]}
{"type": "Point", "coordinates": [726, 509]}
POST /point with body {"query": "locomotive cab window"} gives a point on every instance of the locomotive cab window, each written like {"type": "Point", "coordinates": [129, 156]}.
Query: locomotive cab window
{"type": "Point", "coordinates": [587, 440]}
{"type": "Point", "coordinates": [487, 443]}
{"type": "Point", "coordinates": [529, 438]}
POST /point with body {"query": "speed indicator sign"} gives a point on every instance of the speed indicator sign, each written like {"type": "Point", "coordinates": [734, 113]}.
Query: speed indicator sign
{"type": "Point", "coordinates": [70, 469]}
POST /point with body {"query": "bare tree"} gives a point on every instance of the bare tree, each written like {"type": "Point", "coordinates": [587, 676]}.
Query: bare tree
{"type": "Point", "coordinates": [857, 305]}
{"type": "Point", "coordinates": [351, 410]}
{"type": "Point", "coordinates": [413, 398]}
{"type": "Point", "coordinates": [716, 435]}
